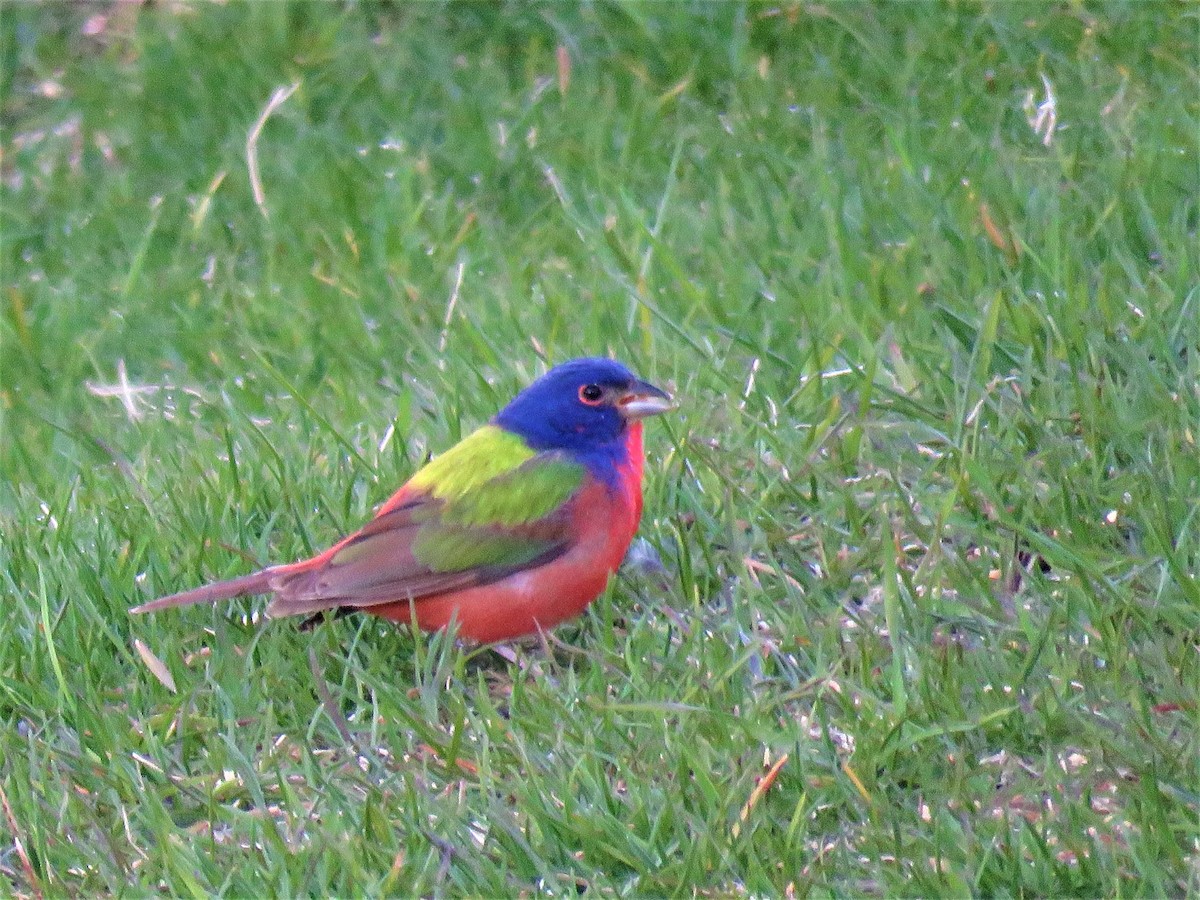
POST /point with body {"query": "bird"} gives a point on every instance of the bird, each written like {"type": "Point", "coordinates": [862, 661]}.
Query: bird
{"type": "Point", "coordinates": [515, 529]}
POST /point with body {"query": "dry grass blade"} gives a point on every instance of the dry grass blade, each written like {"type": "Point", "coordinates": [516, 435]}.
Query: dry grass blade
{"type": "Point", "coordinates": [156, 666]}
{"type": "Point", "coordinates": [278, 98]}
{"type": "Point", "coordinates": [760, 790]}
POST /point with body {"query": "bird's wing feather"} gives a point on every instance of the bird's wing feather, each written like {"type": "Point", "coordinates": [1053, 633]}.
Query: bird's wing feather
{"type": "Point", "coordinates": [470, 517]}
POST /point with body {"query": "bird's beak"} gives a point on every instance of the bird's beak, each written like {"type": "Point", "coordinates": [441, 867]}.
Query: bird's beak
{"type": "Point", "coordinates": [643, 399]}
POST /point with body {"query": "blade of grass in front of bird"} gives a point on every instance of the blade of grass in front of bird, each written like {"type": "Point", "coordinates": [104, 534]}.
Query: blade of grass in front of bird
{"type": "Point", "coordinates": [890, 546]}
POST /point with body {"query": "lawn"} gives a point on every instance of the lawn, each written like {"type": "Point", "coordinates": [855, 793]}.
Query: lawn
{"type": "Point", "coordinates": [925, 279]}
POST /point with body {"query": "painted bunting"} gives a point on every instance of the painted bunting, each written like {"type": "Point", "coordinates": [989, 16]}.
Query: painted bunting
{"type": "Point", "coordinates": [514, 529]}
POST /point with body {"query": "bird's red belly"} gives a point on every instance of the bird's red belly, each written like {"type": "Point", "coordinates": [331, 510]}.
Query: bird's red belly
{"type": "Point", "coordinates": [518, 605]}
{"type": "Point", "coordinates": [604, 523]}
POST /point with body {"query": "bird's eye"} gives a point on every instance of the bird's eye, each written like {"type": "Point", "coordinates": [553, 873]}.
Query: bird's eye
{"type": "Point", "coordinates": [591, 394]}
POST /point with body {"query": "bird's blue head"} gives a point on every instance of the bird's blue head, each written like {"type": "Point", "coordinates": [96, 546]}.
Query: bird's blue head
{"type": "Point", "coordinates": [583, 407]}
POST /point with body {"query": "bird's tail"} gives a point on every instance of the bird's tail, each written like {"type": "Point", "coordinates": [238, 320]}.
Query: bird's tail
{"type": "Point", "coordinates": [258, 583]}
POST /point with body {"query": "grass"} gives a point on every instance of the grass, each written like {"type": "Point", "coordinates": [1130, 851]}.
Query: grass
{"type": "Point", "coordinates": [929, 511]}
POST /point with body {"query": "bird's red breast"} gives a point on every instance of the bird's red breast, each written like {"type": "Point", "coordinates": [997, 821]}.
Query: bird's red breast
{"type": "Point", "coordinates": [604, 520]}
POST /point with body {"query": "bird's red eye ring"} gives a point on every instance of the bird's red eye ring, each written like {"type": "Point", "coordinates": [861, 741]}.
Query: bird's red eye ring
{"type": "Point", "coordinates": [591, 394]}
